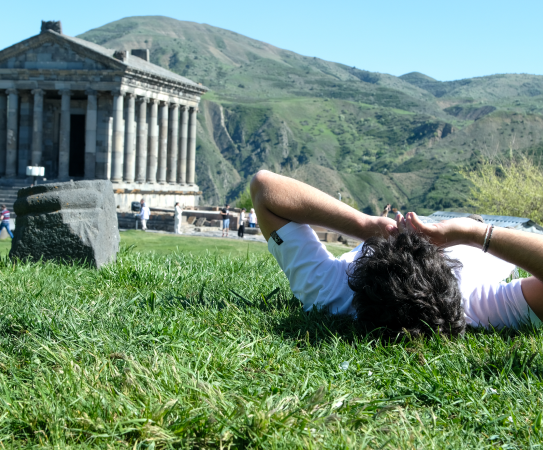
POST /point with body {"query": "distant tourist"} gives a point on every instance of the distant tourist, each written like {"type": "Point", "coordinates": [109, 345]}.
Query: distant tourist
{"type": "Point", "coordinates": [4, 221]}
{"type": "Point", "coordinates": [386, 211]}
{"type": "Point", "coordinates": [225, 213]}
{"type": "Point", "coordinates": [144, 215]}
{"type": "Point", "coordinates": [252, 218]}
{"type": "Point", "coordinates": [178, 216]}
{"type": "Point", "coordinates": [241, 228]}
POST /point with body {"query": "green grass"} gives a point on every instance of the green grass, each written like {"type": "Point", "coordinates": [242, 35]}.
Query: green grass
{"type": "Point", "coordinates": [5, 245]}
{"type": "Point", "coordinates": [211, 351]}
{"type": "Point", "coordinates": [163, 244]}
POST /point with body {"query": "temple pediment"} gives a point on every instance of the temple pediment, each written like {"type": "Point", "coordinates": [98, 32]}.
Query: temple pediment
{"type": "Point", "coordinates": [55, 52]}
{"type": "Point", "coordinates": [53, 56]}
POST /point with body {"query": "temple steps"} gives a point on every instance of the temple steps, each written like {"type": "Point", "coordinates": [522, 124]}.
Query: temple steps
{"type": "Point", "coordinates": [8, 191]}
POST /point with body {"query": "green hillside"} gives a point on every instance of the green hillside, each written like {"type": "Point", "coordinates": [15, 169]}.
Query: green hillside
{"type": "Point", "coordinates": [374, 137]}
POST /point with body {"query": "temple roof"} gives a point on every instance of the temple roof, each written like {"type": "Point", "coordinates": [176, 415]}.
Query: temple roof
{"type": "Point", "coordinates": [133, 61]}
{"type": "Point", "coordinates": [107, 57]}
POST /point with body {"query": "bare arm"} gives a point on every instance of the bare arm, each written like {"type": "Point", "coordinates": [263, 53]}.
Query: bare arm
{"type": "Point", "coordinates": [279, 200]}
{"type": "Point", "coordinates": [523, 249]}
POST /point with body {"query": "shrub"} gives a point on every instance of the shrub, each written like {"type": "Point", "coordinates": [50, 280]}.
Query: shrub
{"type": "Point", "coordinates": [513, 188]}
{"type": "Point", "coordinates": [244, 200]}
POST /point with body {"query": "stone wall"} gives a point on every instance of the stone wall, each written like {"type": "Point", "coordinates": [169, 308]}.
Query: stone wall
{"type": "Point", "coordinates": [164, 221]}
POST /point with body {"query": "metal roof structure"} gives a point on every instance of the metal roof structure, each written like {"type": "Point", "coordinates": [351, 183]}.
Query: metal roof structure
{"type": "Point", "coordinates": [516, 223]}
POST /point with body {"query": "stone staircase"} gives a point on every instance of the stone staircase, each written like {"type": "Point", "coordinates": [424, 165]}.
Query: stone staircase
{"type": "Point", "coordinates": [8, 191]}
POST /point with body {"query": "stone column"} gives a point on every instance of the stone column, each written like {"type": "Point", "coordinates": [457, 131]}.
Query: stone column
{"type": "Point", "coordinates": [191, 157]}
{"type": "Point", "coordinates": [153, 141]}
{"type": "Point", "coordinates": [117, 155]}
{"type": "Point", "coordinates": [37, 128]}
{"type": "Point", "coordinates": [12, 132]}
{"type": "Point", "coordinates": [163, 143]}
{"type": "Point", "coordinates": [183, 137]}
{"type": "Point", "coordinates": [173, 142]}
{"type": "Point", "coordinates": [142, 138]}
{"type": "Point", "coordinates": [25, 132]}
{"type": "Point", "coordinates": [104, 132]}
{"type": "Point", "coordinates": [130, 142]}
{"type": "Point", "coordinates": [64, 143]}
{"type": "Point", "coordinates": [3, 131]}
{"type": "Point", "coordinates": [91, 127]}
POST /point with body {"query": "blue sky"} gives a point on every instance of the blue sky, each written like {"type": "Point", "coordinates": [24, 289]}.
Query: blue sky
{"type": "Point", "coordinates": [445, 40]}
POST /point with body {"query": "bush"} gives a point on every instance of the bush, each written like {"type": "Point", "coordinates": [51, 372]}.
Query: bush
{"type": "Point", "coordinates": [514, 188]}
{"type": "Point", "coordinates": [244, 200]}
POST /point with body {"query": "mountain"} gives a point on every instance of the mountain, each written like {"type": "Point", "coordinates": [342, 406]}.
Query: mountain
{"type": "Point", "coordinates": [375, 138]}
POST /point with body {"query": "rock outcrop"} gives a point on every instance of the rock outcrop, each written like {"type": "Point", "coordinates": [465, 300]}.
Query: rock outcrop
{"type": "Point", "coordinates": [67, 222]}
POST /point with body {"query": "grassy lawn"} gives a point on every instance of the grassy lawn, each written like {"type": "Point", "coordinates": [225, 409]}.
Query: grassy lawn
{"type": "Point", "coordinates": [5, 245]}
{"type": "Point", "coordinates": [183, 350]}
{"type": "Point", "coordinates": [163, 244]}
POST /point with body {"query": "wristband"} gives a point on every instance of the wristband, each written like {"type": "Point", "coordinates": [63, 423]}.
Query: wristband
{"type": "Point", "coordinates": [486, 237]}
{"type": "Point", "coordinates": [486, 244]}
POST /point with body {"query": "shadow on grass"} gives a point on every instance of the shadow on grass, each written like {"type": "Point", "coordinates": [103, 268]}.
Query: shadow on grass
{"type": "Point", "coordinates": [510, 353]}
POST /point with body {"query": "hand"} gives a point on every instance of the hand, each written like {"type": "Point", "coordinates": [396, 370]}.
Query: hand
{"type": "Point", "coordinates": [447, 233]}
{"type": "Point", "coordinates": [384, 226]}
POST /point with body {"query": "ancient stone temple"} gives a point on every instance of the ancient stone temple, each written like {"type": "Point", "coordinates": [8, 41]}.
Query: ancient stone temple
{"type": "Point", "coordinates": [88, 112]}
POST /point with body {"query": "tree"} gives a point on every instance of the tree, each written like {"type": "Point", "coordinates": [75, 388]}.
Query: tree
{"type": "Point", "coordinates": [512, 188]}
{"type": "Point", "coordinates": [244, 200]}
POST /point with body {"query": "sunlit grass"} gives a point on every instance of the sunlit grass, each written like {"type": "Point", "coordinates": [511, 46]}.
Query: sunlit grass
{"type": "Point", "coordinates": [163, 244]}
{"type": "Point", "coordinates": [208, 351]}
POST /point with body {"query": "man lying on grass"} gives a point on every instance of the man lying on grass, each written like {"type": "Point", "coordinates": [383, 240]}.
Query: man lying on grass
{"type": "Point", "coordinates": [401, 278]}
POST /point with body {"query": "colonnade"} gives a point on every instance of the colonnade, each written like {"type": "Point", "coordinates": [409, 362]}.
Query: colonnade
{"type": "Point", "coordinates": [152, 141]}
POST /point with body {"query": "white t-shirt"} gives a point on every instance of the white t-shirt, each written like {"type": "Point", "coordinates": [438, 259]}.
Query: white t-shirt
{"type": "Point", "coordinates": [317, 278]}
{"type": "Point", "coordinates": [252, 218]}
{"type": "Point", "coordinates": [145, 213]}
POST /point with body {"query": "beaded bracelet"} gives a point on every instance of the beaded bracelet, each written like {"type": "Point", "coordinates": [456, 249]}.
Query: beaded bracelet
{"type": "Point", "coordinates": [486, 244]}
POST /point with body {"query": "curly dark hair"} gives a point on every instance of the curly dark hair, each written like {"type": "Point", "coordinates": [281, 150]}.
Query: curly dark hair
{"type": "Point", "coordinates": [405, 284]}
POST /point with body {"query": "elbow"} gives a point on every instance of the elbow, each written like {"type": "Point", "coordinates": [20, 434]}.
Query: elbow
{"type": "Point", "coordinates": [258, 185]}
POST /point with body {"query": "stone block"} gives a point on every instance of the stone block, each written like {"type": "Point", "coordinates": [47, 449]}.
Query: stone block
{"type": "Point", "coordinates": [331, 237]}
{"type": "Point", "coordinates": [191, 220]}
{"type": "Point", "coordinates": [200, 221]}
{"type": "Point", "coordinates": [65, 222]}
{"type": "Point", "coordinates": [215, 223]}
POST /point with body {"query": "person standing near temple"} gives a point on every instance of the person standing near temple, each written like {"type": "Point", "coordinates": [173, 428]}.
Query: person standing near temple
{"type": "Point", "coordinates": [4, 221]}
{"type": "Point", "coordinates": [178, 218]}
{"type": "Point", "coordinates": [386, 210]}
{"type": "Point", "coordinates": [144, 215]}
{"type": "Point", "coordinates": [241, 228]}
{"type": "Point", "coordinates": [252, 218]}
{"type": "Point", "coordinates": [225, 213]}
